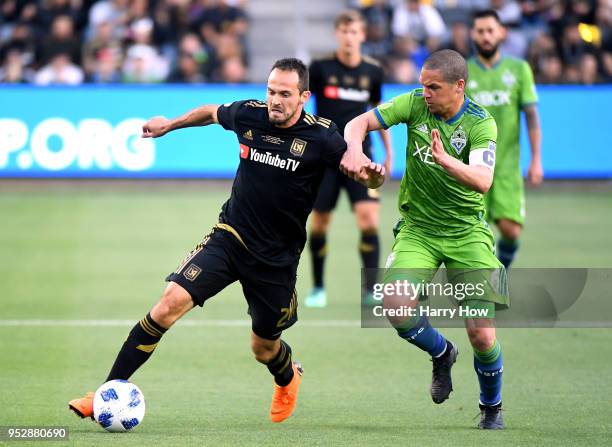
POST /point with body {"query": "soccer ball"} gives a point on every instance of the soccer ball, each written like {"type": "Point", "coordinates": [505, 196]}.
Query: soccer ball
{"type": "Point", "coordinates": [118, 406]}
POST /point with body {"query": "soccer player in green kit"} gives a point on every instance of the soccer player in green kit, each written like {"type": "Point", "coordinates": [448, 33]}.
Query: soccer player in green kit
{"type": "Point", "coordinates": [504, 86]}
{"type": "Point", "coordinates": [450, 159]}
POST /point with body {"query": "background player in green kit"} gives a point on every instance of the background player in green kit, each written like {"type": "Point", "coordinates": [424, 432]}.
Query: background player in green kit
{"type": "Point", "coordinates": [504, 86]}
{"type": "Point", "coordinates": [450, 158]}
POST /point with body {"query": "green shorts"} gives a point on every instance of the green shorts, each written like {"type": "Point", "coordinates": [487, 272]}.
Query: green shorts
{"type": "Point", "coordinates": [506, 198]}
{"type": "Point", "coordinates": [469, 259]}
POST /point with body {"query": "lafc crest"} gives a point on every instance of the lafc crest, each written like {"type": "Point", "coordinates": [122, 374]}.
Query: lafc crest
{"type": "Point", "coordinates": [298, 147]}
{"type": "Point", "coordinates": [192, 272]}
{"type": "Point", "coordinates": [458, 140]}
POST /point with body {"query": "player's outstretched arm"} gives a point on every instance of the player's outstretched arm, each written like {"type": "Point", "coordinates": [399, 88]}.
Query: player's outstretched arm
{"type": "Point", "coordinates": [476, 176]}
{"type": "Point", "coordinates": [352, 162]}
{"type": "Point", "coordinates": [159, 125]}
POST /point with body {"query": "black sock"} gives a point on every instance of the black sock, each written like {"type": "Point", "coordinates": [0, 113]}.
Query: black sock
{"type": "Point", "coordinates": [506, 250]}
{"type": "Point", "coordinates": [369, 248]}
{"type": "Point", "coordinates": [318, 250]}
{"type": "Point", "coordinates": [280, 366]}
{"type": "Point", "coordinates": [137, 349]}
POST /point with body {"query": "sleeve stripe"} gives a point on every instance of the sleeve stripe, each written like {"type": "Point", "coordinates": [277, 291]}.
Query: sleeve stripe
{"type": "Point", "coordinates": [380, 118]}
{"type": "Point", "coordinates": [530, 103]}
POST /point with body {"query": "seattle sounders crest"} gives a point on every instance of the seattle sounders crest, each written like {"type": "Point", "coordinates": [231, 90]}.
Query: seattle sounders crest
{"type": "Point", "coordinates": [458, 140]}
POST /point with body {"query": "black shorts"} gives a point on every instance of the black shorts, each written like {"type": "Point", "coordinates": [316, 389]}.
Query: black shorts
{"type": "Point", "coordinates": [219, 260]}
{"type": "Point", "coordinates": [333, 182]}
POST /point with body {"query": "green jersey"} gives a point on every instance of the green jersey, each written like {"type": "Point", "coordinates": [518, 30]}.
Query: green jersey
{"type": "Point", "coordinates": [429, 197]}
{"type": "Point", "coordinates": [504, 89]}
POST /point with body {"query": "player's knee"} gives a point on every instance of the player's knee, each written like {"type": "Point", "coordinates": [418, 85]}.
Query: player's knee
{"type": "Point", "coordinates": [481, 339]}
{"type": "Point", "coordinates": [368, 226]}
{"type": "Point", "coordinates": [509, 230]}
{"type": "Point", "coordinates": [367, 219]}
{"type": "Point", "coordinates": [174, 302]}
{"type": "Point", "coordinates": [395, 308]}
{"type": "Point", "coordinates": [319, 222]}
{"type": "Point", "coordinates": [264, 352]}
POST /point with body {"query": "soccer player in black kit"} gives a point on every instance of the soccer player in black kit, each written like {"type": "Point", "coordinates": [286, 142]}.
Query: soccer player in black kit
{"type": "Point", "coordinates": [345, 85]}
{"type": "Point", "coordinates": [261, 231]}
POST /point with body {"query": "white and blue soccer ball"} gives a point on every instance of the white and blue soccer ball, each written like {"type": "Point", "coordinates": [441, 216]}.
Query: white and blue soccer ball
{"type": "Point", "coordinates": [118, 406]}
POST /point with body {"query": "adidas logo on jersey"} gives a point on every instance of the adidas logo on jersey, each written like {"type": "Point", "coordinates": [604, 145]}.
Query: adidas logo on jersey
{"type": "Point", "coordinates": [248, 135]}
{"type": "Point", "coordinates": [422, 128]}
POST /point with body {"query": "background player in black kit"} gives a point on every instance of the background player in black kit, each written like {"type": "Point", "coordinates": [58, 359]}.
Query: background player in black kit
{"type": "Point", "coordinates": [261, 231]}
{"type": "Point", "coordinates": [345, 85]}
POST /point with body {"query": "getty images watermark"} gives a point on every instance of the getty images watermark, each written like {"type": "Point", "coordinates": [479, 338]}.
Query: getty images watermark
{"type": "Point", "coordinates": [408, 292]}
{"type": "Point", "coordinates": [518, 298]}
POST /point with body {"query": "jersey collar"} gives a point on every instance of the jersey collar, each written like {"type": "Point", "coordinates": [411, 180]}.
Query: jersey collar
{"type": "Point", "coordinates": [493, 67]}
{"type": "Point", "coordinates": [454, 119]}
{"type": "Point", "coordinates": [348, 67]}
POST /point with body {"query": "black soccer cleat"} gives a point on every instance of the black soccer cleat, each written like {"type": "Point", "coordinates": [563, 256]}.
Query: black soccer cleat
{"type": "Point", "coordinates": [441, 382]}
{"type": "Point", "coordinates": [491, 417]}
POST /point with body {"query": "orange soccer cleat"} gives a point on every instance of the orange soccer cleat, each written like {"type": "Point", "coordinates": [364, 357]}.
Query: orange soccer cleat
{"type": "Point", "coordinates": [285, 397]}
{"type": "Point", "coordinates": [83, 406]}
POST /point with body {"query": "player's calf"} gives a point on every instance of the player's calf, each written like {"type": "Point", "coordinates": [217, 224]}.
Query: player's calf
{"type": "Point", "coordinates": [276, 355]}
{"type": "Point", "coordinates": [137, 348]}
{"type": "Point", "coordinates": [318, 252]}
{"type": "Point", "coordinates": [489, 367]}
{"type": "Point", "coordinates": [415, 329]}
{"type": "Point", "coordinates": [174, 303]}
{"type": "Point", "coordinates": [146, 334]}
{"type": "Point", "coordinates": [508, 244]}
{"type": "Point", "coordinates": [369, 251]}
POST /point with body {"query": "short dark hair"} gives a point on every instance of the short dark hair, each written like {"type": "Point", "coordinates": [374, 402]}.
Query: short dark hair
{"type": "Point", "coordinates": [293, 64]}
{"type": "Point", "coordinates": [349, 16]}
{"type": "Point", "coordinates": [450, 63]}
{"type": "Point", "coordinates": [484, 13]}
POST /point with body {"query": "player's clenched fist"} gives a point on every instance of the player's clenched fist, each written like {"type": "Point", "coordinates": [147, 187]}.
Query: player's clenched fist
{"type": "Point", "coordinates": [352, 164]}
{"type": "Point", "coordinates": [155, 127]}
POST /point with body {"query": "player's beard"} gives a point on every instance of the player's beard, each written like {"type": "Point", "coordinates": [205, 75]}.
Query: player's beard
{"type": "Point", "coordinates": [281, 121]}
{"type": "Point", "coordinates": [486, 53]}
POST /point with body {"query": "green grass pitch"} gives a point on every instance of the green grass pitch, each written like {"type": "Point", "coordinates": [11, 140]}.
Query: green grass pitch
{"type": "Point", "coordinates": [100, 251]}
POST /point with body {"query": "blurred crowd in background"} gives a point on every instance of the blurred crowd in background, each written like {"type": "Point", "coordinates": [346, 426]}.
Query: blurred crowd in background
{"type": "Point", "coordinates": [564, 41]}
{"type": "Point", "coordinates": [130, 41]}
{"type": "Point", "coordinates": [195, 41]}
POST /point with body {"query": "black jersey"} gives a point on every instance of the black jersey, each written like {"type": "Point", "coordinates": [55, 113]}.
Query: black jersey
{"type": "Point", "coordinates": [277, 179]}
{"type": "Point", "coordinates": [342, 92]}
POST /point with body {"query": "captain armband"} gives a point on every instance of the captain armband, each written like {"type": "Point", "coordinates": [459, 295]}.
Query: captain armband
{"type": "Point", "coordinates": [484, 156]}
